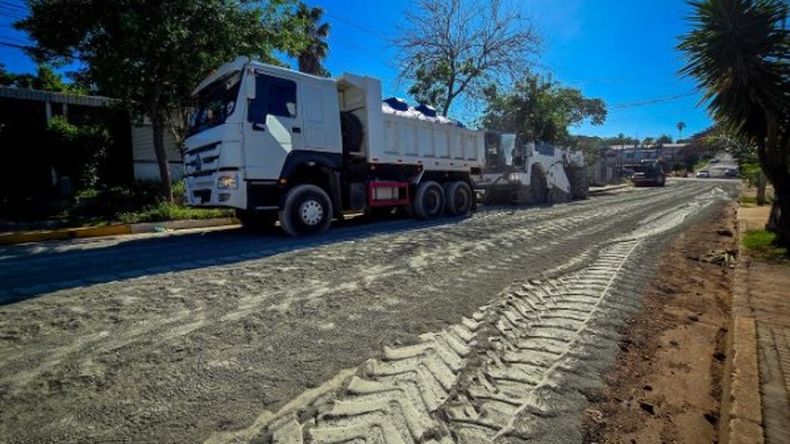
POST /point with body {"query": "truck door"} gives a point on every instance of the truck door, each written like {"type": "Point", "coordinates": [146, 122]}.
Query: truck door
{"type": "Point", "coordinates": [273, 127]}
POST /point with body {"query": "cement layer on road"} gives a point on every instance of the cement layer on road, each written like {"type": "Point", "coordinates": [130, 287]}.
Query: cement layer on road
{"type": "Point", "coordinates": [185, 354]}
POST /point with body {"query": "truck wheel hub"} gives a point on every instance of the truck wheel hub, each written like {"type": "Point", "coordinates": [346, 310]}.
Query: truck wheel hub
{"type": "Point", "coordinates": [312, 212]}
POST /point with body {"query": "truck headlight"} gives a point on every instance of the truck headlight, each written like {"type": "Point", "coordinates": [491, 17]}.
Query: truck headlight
{"type": "Point", "coordinates": [228, 182]}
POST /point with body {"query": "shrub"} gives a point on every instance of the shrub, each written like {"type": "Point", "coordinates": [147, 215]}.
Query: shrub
{"type": "Point", "coordinates": [79, 152]}
{"type": "Point", "coordinates": [168, 211]}
{"type": "Point", "coordinates": [751, 173]}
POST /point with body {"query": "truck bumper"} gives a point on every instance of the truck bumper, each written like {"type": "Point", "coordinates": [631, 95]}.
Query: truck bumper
{"type": "Point", "coordinates": [203, 191]}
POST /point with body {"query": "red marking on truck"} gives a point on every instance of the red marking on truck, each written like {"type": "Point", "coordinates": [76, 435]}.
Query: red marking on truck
{"type": "Point", "coordinates": [401, 199]}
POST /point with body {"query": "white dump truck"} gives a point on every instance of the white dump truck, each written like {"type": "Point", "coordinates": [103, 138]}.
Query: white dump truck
{"type": "Point", "coordinates": [530, 173]}
{"type": "Point", "coordinates": [276, 144]}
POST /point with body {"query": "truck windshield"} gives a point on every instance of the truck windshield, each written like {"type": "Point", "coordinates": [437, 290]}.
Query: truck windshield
{"type": "Point", "coordinates": [215, 102]}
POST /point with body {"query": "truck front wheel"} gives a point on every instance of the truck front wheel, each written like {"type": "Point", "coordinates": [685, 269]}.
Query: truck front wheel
{"type": "Point", "coordinates": [307, 210]}
{"type": "Point", "coordinates": [428, 200]}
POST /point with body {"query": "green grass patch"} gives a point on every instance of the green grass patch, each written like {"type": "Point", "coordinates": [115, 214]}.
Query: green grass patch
{"type": "Point", "coordinates": [760, 243]}
{"type": "Point", "coordinates": [166, 211]}
{"type": "Point", "coordinates": [748, 199]}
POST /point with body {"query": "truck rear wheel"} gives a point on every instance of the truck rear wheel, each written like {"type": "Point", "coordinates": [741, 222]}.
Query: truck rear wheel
{"type": "Point", "coordinates": [307, 210]}
{"type": "Point", "coordinates": [428, 200]}
{"type": "Point", "coordinates": [458, 198]}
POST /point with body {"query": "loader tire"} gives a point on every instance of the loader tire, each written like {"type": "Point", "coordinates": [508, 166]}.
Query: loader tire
{"type": "Point", "coordinates": [458, 198]}
{"type": "Point", "coordinates": [538, 186]}
{"type": "Point", "coordinates": [577, 176]}
{"type": "Point", "coordinates": [428, 201]}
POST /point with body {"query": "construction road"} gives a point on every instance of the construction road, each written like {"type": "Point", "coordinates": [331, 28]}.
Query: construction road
{"type": "Point", "coordinates": [491, 328]}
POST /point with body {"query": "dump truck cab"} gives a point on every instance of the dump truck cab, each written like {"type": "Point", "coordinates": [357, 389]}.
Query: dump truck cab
{"type": "Point", "coordinates": [250, 123]}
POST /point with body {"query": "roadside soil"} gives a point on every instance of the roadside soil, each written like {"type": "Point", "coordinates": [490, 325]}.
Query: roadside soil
{"type": "Point", "coordinates": [666, 383]}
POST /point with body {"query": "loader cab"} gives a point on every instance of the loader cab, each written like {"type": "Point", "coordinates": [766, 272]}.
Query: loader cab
{"type": "Point", "coordinates": [504, 152]}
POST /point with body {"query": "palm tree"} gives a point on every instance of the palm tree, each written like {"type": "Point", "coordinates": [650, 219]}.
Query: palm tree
{"type": "Point", "coordinates": [681, 126]}
{"type": "Point", "coordinates": [738, 52]}
{"type": "Point", "coordinates": [315, 51]}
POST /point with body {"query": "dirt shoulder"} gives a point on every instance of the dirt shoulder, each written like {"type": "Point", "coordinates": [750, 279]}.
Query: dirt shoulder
{"type": "Point", "coordinates": [666, 383]}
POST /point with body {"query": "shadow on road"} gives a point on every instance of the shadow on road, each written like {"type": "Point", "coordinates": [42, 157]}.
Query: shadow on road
{"type": "Point", "coordinates": [27, 271]}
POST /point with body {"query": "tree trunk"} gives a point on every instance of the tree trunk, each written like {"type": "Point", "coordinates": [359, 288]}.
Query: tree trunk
{"type": "Point", "coordinates": [775, 159]}
{"type": "Point", "coordinates": [158, 125]}
{"type": "Point", "coordinates": [779, 221]}
{"type": "Point", "coordinates": [761, 183]}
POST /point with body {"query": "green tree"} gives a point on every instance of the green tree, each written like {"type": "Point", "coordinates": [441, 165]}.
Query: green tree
{"type": "Point", "coordinates": [621, 139]}
{"type": "Point", "coordinates": [150, 54]}
{"type": "Point", "coordinates": [79, 151]}
{"type": "Point", "coordinates": [664, 138]}
{"type": "Point", "coordinates": [6, 78]}
{"type": "Point", "coordinates": [680, 126]}
{"type": "Point", "coordinates": [738, 50]}
{"type": "Point", "coordinates": [540, 109]}
{"type": "Point", "coordinates": [45, 79]}
{"type": "Point", "coordinates": [316, 48]}
{"type": "Point", "coordinates": [451, 48]}
{"type": "Point", "coordinates": [720, 140]}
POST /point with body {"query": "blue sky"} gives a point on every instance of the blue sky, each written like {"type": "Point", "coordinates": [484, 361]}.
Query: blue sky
{"type": "Point", "coordinates": [619, 50]}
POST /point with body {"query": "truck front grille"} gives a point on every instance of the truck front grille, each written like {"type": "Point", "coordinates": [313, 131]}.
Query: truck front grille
{"type": "Point", "coordinates": [203, 195]}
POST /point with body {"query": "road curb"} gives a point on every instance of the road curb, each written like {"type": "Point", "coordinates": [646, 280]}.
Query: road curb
{"type": "Point", "coordinates": [742, 414]}
{"type": "Point", "coordinates": [111, 230]}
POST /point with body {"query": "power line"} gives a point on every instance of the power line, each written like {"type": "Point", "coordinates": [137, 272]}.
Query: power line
{"type": "Point", "coordinates": [14, 45]}
{"type": "Point", "coordinates": [13, 6]}
{"type": "Point", "coordinates": [14, 39]}
{"type": "Point", "coordinates": [654, 101]}
{"type": "Point", "coordinates": [354, 25]}
{"type": "Point", "coordinates": [356, 49]}
{"type": "Point", "coordinates": [12, 16]}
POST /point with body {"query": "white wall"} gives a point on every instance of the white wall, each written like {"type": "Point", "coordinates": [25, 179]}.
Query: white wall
{"type": "Point", "coordinates": [145, 166]}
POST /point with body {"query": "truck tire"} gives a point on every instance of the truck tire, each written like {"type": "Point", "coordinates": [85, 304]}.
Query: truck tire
{"type": "Point", "coordinates": [538, 186]}
{"type": "Point", "coordinates": [352, 132]}
{"type": "Point", "coordinates": [307, 211]}
{"type": "Point", "coordinates": [458, 198]}
{"type": "Point", "coordinates": [428, 201]}
{"type": "Point", "coordinates": [256, 221]}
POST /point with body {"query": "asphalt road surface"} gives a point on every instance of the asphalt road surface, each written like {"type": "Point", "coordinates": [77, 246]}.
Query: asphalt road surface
{"type": "Point", "coordinates": [496, 327]}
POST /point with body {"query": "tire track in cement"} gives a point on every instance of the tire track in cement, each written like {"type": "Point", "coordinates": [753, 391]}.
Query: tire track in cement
{"type": "Point", "coordinates": [478, 380]}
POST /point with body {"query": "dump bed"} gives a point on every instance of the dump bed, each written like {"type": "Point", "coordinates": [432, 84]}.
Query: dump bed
{"type": "Point", "coordinates": [408, 138]}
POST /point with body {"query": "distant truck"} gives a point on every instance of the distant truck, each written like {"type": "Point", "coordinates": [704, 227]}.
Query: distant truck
{"type": "Point", "coordinates": [529, 173]}
{"type": "Point", "coordinates": [648, 173]}
{"type": "Point", "coordinates": [276, 144]}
